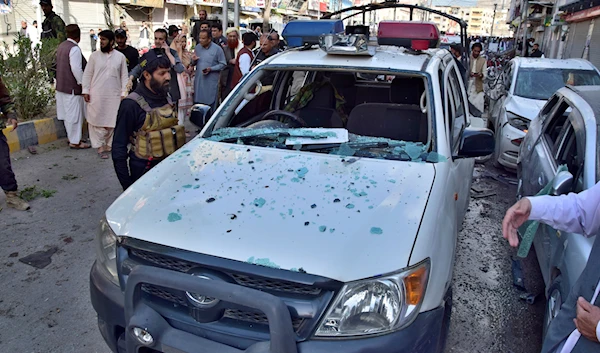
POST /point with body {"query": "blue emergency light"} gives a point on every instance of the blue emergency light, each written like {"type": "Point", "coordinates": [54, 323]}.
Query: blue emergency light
{"type": "Point", "coordinates": [300, 33]}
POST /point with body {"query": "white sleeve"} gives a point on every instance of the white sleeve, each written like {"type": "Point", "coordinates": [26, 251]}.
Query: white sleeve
{"type": "Point", "coordinates": [575, 213]}
{"type": "Point", "coordinates": [124, 76]}
{"type": "Point", "coordinates": [76, 64]}
{"type": "Point", "coordinates": [598, 331]}
{"type": "Point", "coordinates": [87, 75]}
{"type": "Point", "coordinates": [245, 63]}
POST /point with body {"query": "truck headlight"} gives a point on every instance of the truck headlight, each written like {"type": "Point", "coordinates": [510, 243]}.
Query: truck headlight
{"type": "Point", "coordinates": [377, 305]}
{"type": "Point", "coordinates": [518, 121]}
{"type": "Point", "coordinates": [106, 251]}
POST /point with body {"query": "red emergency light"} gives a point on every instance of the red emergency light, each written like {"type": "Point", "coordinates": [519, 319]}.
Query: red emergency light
{"type": "Point", "coordinates": [414, 35]}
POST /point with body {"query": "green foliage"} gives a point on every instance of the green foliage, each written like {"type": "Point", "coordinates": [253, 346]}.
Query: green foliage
{"type": "Point", "coordinates": [25, 72]}
{"type": "Point", "coordinates": [32, 192]}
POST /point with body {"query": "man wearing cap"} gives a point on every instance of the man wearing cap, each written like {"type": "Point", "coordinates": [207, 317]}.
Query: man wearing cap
{"type": "Point", "coordinates": [70, 64]}
{"type": "Point", "coordinates": [209, 60]}
{"type": "Point", "coordinates": [53, 26]}
{"type": "Point", "coordinates": [173, 33]}
{"type": "Point", "coordinates": [132, 56]}
{"type": "Point", "coordinates": [154, 89]}
{"type": "Point", "coordinates": [231, 49]}
{"type": "Point", "coordinates": [104, 85]}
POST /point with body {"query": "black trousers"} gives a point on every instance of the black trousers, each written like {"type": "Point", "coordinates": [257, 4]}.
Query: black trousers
{"type": "Point", "coordinates": [139, 167]}
{"type": "Point", "coordinates": [7, 177]}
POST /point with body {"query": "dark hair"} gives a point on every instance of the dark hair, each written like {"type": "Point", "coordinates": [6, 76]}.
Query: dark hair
{"type": "Point", "coordinates": [73, 31]}
{"type": "Point", "coordinates": [173, 29]}
{"type": "Point", "coordinates": [249, 38]}
{"type": "Point", "coordinates": [205, 23]}
{"type": "Point", "coordinates": [204, 31]}
{"type": "Point", "coordinates": [110, 35]}
{"type": "Point", "coordinates": [477, 45]}
{"type": "Point", "coordinates": [163, 31]}
{"type": "Point", "coordinates": [216, 25]}
{"type": "Point", "coordinates": [457, 47]}
{"type": "Point", "coordinates": [206, 13]}
{"type": "Point", "coordinates": [161, 62]}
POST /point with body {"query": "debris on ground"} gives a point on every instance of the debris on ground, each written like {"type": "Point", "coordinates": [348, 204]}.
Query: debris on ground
{"type": "Point", "coordinates": [528, 298]}
{"type": "Point", "coordinates": [39, 259]}
{"type": "Point", "coordinates": [517, 272]}
{"type": "Point", "coordinates": [479, 193]}
{"type": "Point", "coordinates": [69, 177]}
{"type": "Point", "coordinates": [32, 192]}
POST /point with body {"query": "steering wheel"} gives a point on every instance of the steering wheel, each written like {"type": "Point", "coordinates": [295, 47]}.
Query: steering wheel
{"type": "Point", "coordinates": [298, 120]}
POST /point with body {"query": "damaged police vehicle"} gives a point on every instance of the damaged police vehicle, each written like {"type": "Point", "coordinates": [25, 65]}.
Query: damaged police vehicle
{"type": "Point", "coordinates": [317, 211]}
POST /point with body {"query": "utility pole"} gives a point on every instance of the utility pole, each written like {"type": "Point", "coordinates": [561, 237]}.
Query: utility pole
{"type": "Point", "coordinates": [493, 21]}
{"type": "Point", "coordinates": [236, 14]}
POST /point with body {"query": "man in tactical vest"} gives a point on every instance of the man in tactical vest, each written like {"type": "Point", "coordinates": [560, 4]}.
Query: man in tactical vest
{"type": "Point", "coordinates": [150, 99]}
{"type": "Point", "coordinates": [53, 26]}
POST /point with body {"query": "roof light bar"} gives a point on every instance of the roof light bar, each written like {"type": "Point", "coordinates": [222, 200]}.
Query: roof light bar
{"type": "Point", "coordinates": [414, 35]}
{"type": "Point", "coordinates": [302, 33]}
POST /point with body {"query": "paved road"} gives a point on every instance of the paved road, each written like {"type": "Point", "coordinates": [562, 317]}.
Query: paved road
{"type": "Point", "coordinates": [48, 310]}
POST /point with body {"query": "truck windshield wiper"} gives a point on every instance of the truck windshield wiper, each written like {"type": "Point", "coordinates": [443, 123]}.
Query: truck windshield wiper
{"type": "Point", "coordinates": [275, 135]}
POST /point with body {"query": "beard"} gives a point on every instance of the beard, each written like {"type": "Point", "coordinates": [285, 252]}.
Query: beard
{"type": "Point", "coordinates": [232, 44]}
{"type": "Point", "coordinates": [107, 48]}
{"type": "Point", "coordinates": [158, 88]}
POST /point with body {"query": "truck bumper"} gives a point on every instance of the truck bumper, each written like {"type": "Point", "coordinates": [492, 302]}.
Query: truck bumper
{"type": "Point", "coordinates": [119, 312]}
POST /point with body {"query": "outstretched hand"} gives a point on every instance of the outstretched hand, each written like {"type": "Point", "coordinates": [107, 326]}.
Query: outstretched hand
{"type": "Point", "coordinates": [514, 218]}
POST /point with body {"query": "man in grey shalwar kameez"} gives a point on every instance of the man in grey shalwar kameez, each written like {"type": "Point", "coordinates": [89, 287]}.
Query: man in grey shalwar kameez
{"type": "Point", "coordinates": [209, 60]}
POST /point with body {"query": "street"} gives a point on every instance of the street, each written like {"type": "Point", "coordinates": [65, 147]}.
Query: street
{"type": "Point", "coordinates": [48, 309]}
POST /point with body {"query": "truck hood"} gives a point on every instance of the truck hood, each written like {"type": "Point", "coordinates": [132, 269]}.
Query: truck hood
{"type": "Point", "coordinates": [525, 107]}
{"type": "Point", "coordinates": [339, 217]}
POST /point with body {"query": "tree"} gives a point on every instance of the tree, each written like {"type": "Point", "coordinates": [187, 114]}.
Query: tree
{"type": "Point", "coordinates": [266, 16]}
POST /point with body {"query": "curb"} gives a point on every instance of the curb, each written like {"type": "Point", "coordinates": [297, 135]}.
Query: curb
{"type": "Point", "coordinates": [35, 132]}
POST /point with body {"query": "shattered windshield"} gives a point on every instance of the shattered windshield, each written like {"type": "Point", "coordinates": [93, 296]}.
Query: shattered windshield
{"type": "Point", "coordinates": [330, 142]}
{"type": "Point", "coordinates": [367, 114]}
{"type": "Point", "coordinates": [540, 84]}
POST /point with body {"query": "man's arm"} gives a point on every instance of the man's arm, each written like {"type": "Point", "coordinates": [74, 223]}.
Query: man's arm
{"type": "Point", "coordinates": [59, 27]}
{"type": "Point", "coordinates": [76, 64]}
{"type": "Point", "coordinates": [574, 213]}
{"type": "Point", "coordinates": [136, 72]}
{"type": "Point", "coordinates": [177, 66]}
{"type": "Point", "coordinates": [128, 114]}
{"type": "Point", "coordinates": [221, 62]}
{"type": "Point", "coordinates": [245, 63]}
{"type": "Point", "coordinates": [87, 77]}
{"type": "Point", "coordinates": [124, 77]}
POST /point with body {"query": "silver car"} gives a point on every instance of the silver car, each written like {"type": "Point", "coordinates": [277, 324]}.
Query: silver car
{"type": "Point", "coordinates": [565, 133]}
{"type": "Point", "coordinates": [529, 82]}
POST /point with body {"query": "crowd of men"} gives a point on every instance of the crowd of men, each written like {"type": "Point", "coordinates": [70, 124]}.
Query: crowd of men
{"type": "Point", "coordinates": [117, 92]}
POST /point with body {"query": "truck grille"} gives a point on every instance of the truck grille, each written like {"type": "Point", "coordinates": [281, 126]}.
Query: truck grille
{"type": "Point", "coordinates": [241, 315]}
{"type": "Point", "coordinates": [241, 279]}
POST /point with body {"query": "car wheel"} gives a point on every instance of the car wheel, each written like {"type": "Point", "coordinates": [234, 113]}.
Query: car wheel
{"type": "Point", "coordinates": [553, 304]}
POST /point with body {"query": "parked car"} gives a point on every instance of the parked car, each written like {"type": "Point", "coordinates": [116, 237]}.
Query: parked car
{"type": "Point", "coordinates": [528, 83]}
{"type": "Point", "coordinates": [319, 214]}
{"type": "Point", "coordinates": [565, 133]}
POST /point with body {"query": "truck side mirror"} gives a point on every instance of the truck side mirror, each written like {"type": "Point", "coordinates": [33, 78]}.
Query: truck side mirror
{"type": "Point", "coordinates": [199, 115]}
{"type": "Point", "coordinates": [562, 183]}
{"type": "Point", "coordinates": [476, 142]}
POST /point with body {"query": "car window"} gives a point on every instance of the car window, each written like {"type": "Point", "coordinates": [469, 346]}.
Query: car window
{"type": "Point", "coordinates": [570, 152]}
{"type": "Point", "coordinates": [379, 109]}
{"type": "Point", "coordinates": [548, 106]}
{"type": "Point", "coordinates": [508, 76]}
{"type": "Point", "coordinates": [554, 126]}
{"type": "Point", "coordinates": [458, 121]}
{"type": "Point", "coordinates": [540, 84]}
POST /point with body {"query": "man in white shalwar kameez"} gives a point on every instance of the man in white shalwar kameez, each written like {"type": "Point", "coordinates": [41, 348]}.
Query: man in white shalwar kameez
{"type": "Point", "coordinates": [104, 85]}
{"type": "Point", "coordinates": [69, 76]}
